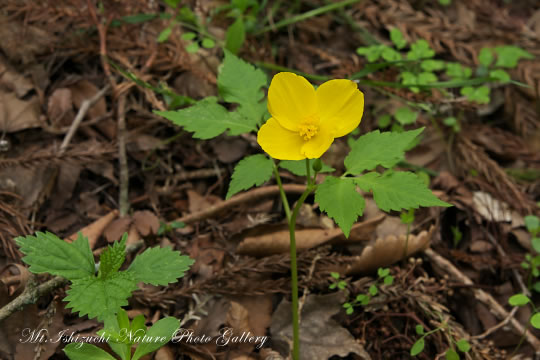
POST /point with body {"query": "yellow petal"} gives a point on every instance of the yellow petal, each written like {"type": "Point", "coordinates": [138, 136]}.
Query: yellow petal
{"type": "Point", "coordinates": [340, 104]}
{"type": "Point", "coordinates": [279, 142]}
{"type": "Point", "coordinates": [291, 98]}
{"type": "Point", "coordinates": [317, 145]}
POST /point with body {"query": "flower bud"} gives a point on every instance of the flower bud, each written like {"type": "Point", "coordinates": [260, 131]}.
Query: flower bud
{"type": "Point", "coordinates": [317, 165]}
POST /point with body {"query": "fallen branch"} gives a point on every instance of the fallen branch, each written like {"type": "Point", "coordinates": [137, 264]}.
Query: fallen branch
{"type": "Point", "coordinates": [485, 298]}
{"type": "Point", "coordinates": [247, 197]}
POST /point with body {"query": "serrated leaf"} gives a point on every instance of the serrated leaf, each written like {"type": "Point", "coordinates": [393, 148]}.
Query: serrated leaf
{"type": "Point", "coordinates": [207, 119]}
{"type": "Point", "coordinates": [518, 300]}
{"type": "Point", "coordinates": [163, 330]}
{"type": "Point", "coordinates": [535, 320]}
{"type": "Point", "coordinates": [235, 36]}
{"type": "Point", "coordinates": [84, 351]}
{"type": "Point", "coordinates": [451, 354]}
{"type": "Point", "coordinates": [46, 253]}
{"type": "Point", "coordinates": [340, 200]}
{"type": "Point", "coordinates": [298, 167]}
{"type": "Point", "coordinates": [418, 347]}
{"type": "Point", "coordinates": [99, 297]}
{"type": "Point", "coordinates": [240, 82]}
{"type": "Point", "coordinates": [463, 345]}
{"type": "Point", "coordinates": [376, 148]}
{"type": "Point", "coordinates": [250, 171]}
{"type": "Point", "coordinates": [112, 258]}
{"type": "Point", "coordinates": [398, 190]}
{"type": "Point", "coordinates": [159, 266]}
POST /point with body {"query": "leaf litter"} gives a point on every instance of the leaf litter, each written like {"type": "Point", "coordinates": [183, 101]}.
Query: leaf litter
{"type": "Point", "coordinates": [241, 277]}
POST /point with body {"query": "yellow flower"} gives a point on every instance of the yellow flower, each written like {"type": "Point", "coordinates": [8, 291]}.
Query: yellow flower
{"type": "Point", "coordinates": [306, 121]}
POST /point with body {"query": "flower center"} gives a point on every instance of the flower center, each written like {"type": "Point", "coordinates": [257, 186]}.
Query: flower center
{"type": "Point", "coordinates": [308, 128]}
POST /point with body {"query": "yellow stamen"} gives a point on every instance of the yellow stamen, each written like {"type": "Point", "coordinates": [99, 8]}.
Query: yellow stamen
{"type": "Point", "coordinates": [309, 128]}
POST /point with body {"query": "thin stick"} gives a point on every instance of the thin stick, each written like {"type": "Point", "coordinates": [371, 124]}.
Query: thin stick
{"type": "Point", "coordinates": [123, 197]}
{"type": "Point", "coordinates": [85, 106]}
{"type": "Point", "coordinates": [484, 297]}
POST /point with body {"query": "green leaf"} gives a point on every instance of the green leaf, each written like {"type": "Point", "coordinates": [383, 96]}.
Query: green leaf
{"type": "Point", "coordinates": [388, 280]}
{"type": "Point", "coordinates": [458, 71]}
{"type": "Point", "coordinates": [397, 38]}
{"type": "Point", "coordinates": [451, 354]}
{"type": "Point", "coordinates": [390, 54]}
{"type": "Point", "coordinates": [479, 94]}
{"type": "Point", "coordinates": [207, 119]}
{"type": "Point", "coordinates": [535, 321]}
{"type": "Point", "coordinates": [235, 36]}
{"type": "Point", "coordinates": [373, 290]}
{"type": "Point", "coordinates": [432, 65]}
{"type": "Point", "coordinates": [418, 347]}
{"type": "Point", "coordinates": [240, 82]}
{"type": "Point", "coordinates": [405, 116]}
{"type": "Point", "coordinates": [192, 48]}
{"type": "Point", "coordinates": [159, 266]}
{"type": "Point", "coordinates": [208, 43]}
{"type": "Point", "coordinates": [46, 253]}
{"type": "Point", "coordinates": [188, 36]}
{"type": "Point", "coordinates": [99, 297]}
{"type": "Point", "coordinates": [164, 35]}
{"type": "Point", "coordinates": [160, 333]}
{"type": "Point", "coordinates": [112, 258]}
{"type": "Point", "coordinates": [445, 2]}
{"type": "Point", "coordinates": [371, 53]}
{"type": "Point", "coordinates": [376, 148]}
{"type": "Point", "coordinates": [509, 55]}
{"type": "Point", "coordinates": [298, 167]}
{"type": "Point", "coordinates": [382, 272]}
{"type": "Point", "coordinates": [398, 190]}
{"type": "Point", "coordinates": [340, 200]}
{"type": "Point", "coordinates": [419, 329]}
{"type": "Point", "coordinates": [84, 351]}
{"type": "Point", "coordinates": [463, 345]}
{"type": "Point", "coordinates": [532, 223]}
{"type": "Point", "coordinates": [425, 78]}
{"type": "Point", "coordinates": [500, 75]}
{"type": "Point", "coordinates": [519, 300]}
{"type": "Point", "coordinates": [485, 58]}
{"type": "Point", "coordinates": [420, 50]}
{"type": "Point", "coordinates": [384, 120]}
{"type": "Point", "coordinates": [536, 286]}
{"type": "Point", "coordinates": [250, 171]}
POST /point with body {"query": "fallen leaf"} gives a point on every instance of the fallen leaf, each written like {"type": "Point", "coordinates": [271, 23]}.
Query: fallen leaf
{"type": "Point", "coordinates": [490, 208]}
{"type": "Point", "coordinates": [94, 230]}
{"type": "Point", "coordinates": [229, 149]}
{"type": "Point", "coordinates": [18, 114]}
{"type": "Point", "coordinates": [146, 222]}
{"type": "Point", "coordinates": [321, 337]}
{"type": "Point", "coordinates": [60, 108]}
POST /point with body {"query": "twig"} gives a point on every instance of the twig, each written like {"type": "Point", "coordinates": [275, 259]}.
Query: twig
{"type": "Point", "coordinates": [492, 329]}
{"type": "Point", "coordinates": [250, 196]}
{"type": "Point", "coordinates": [123, 198]}
{"type": "Point", "coordinates": [31, 294]}
{"type": "Point", "coordinates": [484, 297]}
{"type": "Point", "coordinates": [85, 106]}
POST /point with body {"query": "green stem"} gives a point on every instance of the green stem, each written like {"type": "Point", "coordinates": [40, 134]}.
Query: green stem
{"type": "Point", "coordinates": [306, 15]}
{"type": "Point", "coordinates": [294, 269]}
{"type": "Point", "coordinates": [282, 193]}
{"type": "Point", "coordinates": [308, 173]}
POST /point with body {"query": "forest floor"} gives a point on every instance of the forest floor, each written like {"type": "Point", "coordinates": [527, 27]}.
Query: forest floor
{"type": "Point", "coordinates": [125, 169]}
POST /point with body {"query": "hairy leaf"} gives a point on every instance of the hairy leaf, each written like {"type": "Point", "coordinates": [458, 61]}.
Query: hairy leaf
{"type": "Point", "coordinates": [250, 171]}
{"type": "Point", "coordinates": [112, 258]}
{"type": "Point", "coordinates": [46, 253]}
{"type": "Point", "coordinates": [159, 266]}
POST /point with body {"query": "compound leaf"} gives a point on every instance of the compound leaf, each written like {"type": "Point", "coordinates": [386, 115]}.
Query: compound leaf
{"type": "Point", "coordinates": [340, 200]}
{"type": "Point", "coordinates": [100, 297]}
{"type": "Point", "coordinates": [159, 266]}
{"type": "Point", "coordinates": [207, 119]}
{"type": "Point", "coordinates": [250, 171]}
{"type": "Point", "coordinates": [398, 190]}
{"type": "Point", "coordinates": [376, 148]}
{"type": "Point", "coordinates": [240, 82]}
{"type": "Point", "coordinates": [46, 253]}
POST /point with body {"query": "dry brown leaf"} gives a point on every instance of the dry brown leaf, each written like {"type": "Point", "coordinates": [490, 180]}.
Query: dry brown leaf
{"type": "Point", "coordinates": [229, 149]}
{"type": "Point", "coordinates": [95, 229]}
{"type": "Point", "coordinates": [278, 242]}
{"type": "Point", "coordinates": [259, 310]}
{"type": "Point", "coordinates": [60, 108]}
{"type": "Point", "coordinates": [238, 317]}
{"type": "Point", "coordinates": [146, 222]}
{"type": "Point", "coordinates": [165, 353]}
{"type": "Point", "coordinates": [84, 90]}
{"type": "Point", "coordinates": [115, 229]}
{"type": "Point", "coordinates": [17, 114]}
{"type": "Point", "coordinates": [15, 277]}
{"type": "Point", "coordinates": [386, 251]}
{"type": "Point", "coordinates": [321, 337]}
{"type": "Point", "coordinates": [198, 203]}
